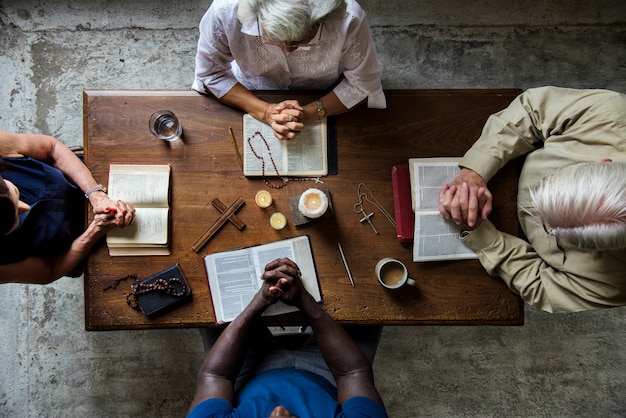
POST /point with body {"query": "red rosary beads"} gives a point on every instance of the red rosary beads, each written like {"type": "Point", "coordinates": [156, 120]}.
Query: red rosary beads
{"type": "Point", "coordinates": [267, 182]}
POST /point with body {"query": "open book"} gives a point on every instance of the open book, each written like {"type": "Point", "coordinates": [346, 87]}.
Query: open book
{"type": "Point", "coordinates": [434, 237]}
{"type": "Point", "coordinates": [307, 155]}
{"type": "Point", "coordinates": [235, 276]}
{"type": "Point", "coordinates": [146, 187]}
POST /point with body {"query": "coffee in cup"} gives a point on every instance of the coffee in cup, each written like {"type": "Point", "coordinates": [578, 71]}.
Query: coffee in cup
{"type": "Point", "coordinates": [392, 273]}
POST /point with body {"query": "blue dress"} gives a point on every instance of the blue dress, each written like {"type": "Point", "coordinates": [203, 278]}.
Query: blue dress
{"type": "Point", "coordinates": [56, 216]}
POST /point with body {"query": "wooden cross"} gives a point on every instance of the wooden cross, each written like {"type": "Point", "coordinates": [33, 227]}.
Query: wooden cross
{"type": "Point", "coordinates": [227, 214]}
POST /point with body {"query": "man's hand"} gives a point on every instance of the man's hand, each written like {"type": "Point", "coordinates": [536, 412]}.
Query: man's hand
{"type": "Point", "coordinates": [282, 281]}
{"type": "Point", "coordinates": [466, 200]}
{"type": "Point", "coordinates": [285, 119]}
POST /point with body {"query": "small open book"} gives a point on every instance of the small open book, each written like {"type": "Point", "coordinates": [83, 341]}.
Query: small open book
{"type": "Point", "coordinates": [235, 276]}
{"type": "Point", "coordinates": [146, 187]}
{"type": "Point", "coordinates": [434, 237]}
{"type": "Point", "coordinates": [265, 155]}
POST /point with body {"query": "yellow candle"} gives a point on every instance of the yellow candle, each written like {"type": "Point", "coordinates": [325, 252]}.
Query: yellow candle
{"type": "Point", "coordinates": [263, 198]}
{"type": "Point", "coordinates": [278, 221]}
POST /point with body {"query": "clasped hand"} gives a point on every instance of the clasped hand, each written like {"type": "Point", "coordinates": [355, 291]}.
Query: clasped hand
{"type": "Point", "coordinates": [466, 200]}
{"type": "Point", "coordinates": [281, 281]}
{"type": "Point", "coordinates": [109, 214]}
{"type": "Point", "coordinates": [285, 119]}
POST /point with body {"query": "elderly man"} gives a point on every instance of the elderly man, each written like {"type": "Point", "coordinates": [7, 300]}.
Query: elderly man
{"type": "Point", "coordinates": [330, 378]}
{"type": "Point", "coordinates": [571, 199]}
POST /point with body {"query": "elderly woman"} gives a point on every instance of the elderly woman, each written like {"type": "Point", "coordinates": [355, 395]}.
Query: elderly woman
{"type": "Point", "coordinates": [324, 45]}
{"type": "Point", "coordinates": [43, 186]}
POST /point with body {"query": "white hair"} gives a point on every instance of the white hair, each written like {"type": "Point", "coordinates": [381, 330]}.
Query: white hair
{"type": "Point", "coordinates": [584, 205]}
{"type": "Point", "coordinates": [289, 20]}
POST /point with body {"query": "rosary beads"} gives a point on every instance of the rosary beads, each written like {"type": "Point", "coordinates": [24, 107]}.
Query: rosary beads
{"type": "Point", "coordinates": [167, 286]}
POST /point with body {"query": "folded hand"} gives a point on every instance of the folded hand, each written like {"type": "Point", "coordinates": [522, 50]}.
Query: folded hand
{"type": "Point", "coordinates": [282, 282]}
{"type": "Point", "coordinates": [285, 119]}
{"type": "Point", "coordinates": [466, 200]}
{"type": "Point", "coordinates": [110, 214]}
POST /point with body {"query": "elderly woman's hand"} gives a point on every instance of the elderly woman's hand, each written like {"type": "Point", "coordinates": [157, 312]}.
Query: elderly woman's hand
{"type": "Point", "coordinates": [285, 118]}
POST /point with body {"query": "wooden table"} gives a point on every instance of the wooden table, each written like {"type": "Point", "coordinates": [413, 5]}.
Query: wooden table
{"type": "Point", "coordinates": [416, 123]}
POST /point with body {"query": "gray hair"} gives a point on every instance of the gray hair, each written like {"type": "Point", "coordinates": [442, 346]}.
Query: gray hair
{"type": "Point", "coordinates": [289, 20]}
{"type": "Point", "coordinates": [584, 205]}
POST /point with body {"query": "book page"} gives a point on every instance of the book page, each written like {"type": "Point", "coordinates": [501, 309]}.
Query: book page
{"type": "Point", "coordinates": [300, 250]}
{"type": "Point", "coordinates": [307, 153]}
{"type": "Point", "coordinates": [140, 185]}
{"type": "Point", "coordinates": [263, 255]}
{"type": "Point", "coordinates": [150, 227]}
{"type": "Point", "coordinates": [233, 281]}
{"type": "Point", "coordinates": [267, 148]}
{"type": "Point", "coordinates": [428, 175]}
{"type": "Point", "coordinates": [146, 187]}
{"type": "Point", "coordinates": [438, 239]}
{"type": "Point", "coordinates": [235, 276]}
{"type": "Point", "coordinates": [434, 238]}
{"type": "Point", "coordinates": [305, 156]}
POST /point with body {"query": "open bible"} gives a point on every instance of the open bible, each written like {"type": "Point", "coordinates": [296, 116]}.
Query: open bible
{"type": "Point", "coordinates": [235, 276]}
{"type": "Point", "coordinates": [146, 187]}
{"type": "Point", "coordinates": [434, 237]}
{"type": "Point", "coordinates": [265, 155]}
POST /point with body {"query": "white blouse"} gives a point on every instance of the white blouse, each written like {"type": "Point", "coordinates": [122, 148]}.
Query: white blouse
{"type": "Point", "coordinates": [343, 49]}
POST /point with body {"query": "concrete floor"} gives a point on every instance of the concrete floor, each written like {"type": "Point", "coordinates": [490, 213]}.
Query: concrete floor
{"type": "Point", "coordinates": [554, 366]}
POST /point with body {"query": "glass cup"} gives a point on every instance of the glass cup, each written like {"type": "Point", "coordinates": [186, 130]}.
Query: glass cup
{"type": "Point", "coordinates": [165, 125]}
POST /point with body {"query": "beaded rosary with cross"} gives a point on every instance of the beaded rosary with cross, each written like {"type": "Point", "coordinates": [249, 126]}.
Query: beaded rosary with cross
{"type": "Point", "coordinates": [172, 286]}
{"type": "Point", "coordinates": [269, 152]}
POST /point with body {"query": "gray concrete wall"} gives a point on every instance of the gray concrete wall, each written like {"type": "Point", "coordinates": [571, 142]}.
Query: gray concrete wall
{"type": "Point", "coordinates": [555, 365]}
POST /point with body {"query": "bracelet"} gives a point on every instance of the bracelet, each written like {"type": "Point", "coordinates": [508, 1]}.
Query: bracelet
{"type": "Point", "coordinates": [320, 112]}
{"type": "Point", "coordinates": [96, 188]}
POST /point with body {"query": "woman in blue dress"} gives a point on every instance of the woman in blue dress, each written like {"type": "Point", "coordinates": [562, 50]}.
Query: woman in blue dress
{"type": "Point", "coordinates": [43, 186]}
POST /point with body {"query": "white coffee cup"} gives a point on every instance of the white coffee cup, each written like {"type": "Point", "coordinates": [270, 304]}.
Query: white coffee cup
{"type": "Point", "coordinates": [392, 273]}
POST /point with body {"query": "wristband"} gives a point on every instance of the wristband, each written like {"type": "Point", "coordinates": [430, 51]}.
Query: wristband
{"type": "Point", "coordinates": [96, 188]}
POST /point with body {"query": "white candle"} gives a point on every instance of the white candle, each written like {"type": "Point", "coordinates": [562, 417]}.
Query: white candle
{"type": "Point", "coordinates": [278, 221]}
{"type": "Point", "coordinates": [263, 198]}
{"type": "Point", "coordinates": [313, 203]}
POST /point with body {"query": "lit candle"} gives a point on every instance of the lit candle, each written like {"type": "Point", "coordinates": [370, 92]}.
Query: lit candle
{"type": "Point", "coordinates": [278, 221]}
{"type": "Point", "coordinates": [263, 198]}
{"type": "Point", "coordinates": [313, 203]}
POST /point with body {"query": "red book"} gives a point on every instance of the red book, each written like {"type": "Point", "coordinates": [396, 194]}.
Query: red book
{"type": "Point", "coordinates": [405, 218]}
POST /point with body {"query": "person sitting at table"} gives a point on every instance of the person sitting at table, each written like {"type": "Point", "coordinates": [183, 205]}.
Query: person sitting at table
{"type": "Point", "coordinates": [571, 198]}
{"type": "Point", "coordinates": [247, 373]}
{"type": "Point", "coordinates": [43, 185]}
{"type": "Point", "coordinates": [286, 45]}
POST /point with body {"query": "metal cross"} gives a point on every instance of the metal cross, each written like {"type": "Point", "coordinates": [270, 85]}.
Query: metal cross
{"type": "Point", "coordinates": [358, 208]}
{"type": "Point", "coordinates": [366, 218]}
